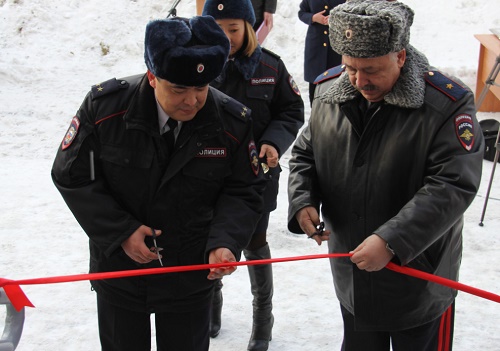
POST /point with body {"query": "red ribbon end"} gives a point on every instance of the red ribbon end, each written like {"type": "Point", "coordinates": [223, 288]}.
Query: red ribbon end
{"type": "Point", "coordinates": [17, 297]}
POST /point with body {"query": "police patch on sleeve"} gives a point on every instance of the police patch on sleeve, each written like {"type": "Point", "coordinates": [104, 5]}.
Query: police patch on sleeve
{"type": "Point", "coordinates": [254, 157]}
{"type": "Point", "coordinates": [293, 85]}
{"type": "Point", "coordinates": [464, 127]}
{"type": "Point", "coordinates": [71, 133]}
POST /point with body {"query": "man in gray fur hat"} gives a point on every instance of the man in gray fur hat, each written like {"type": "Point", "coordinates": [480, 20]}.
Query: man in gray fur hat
{"type": "Point", "coordinates": [391, 158]}
{"type": "Point", "coordinates": [160, 170]}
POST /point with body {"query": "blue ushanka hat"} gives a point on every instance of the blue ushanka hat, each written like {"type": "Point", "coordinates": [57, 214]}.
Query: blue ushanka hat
{"type": "Point", "coordinates": [186, 52]}
{"type": "Point", "coordinates": [222, 9]}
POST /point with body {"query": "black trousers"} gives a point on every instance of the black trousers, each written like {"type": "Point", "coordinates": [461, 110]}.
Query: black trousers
{"type": "Point", "coordinates": [433, 336]}
{"type": "Point", "coordinates": [124, 330]}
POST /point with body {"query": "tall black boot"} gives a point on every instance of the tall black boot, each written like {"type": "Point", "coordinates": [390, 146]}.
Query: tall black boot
{"type": "Point", "coordinates": [215, 314]}
{"type": "Point", "coordinates": [261, 280]}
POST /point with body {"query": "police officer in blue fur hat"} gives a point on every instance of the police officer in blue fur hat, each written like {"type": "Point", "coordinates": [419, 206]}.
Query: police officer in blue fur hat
{"type": "Point", "coordinates": [160, 170]}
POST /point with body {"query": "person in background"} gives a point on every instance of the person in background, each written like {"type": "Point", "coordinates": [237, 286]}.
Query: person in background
{"type": "Point", "coordinates": [199, 6]}
{"type": "Point", "coordinates": [264, 11]}
{"type": "Point", "coordinates": [318, 54]}
{"type": "Point", "coordinates": [160, 169]}
{"type": "Point", "coordinates": [259, 79]}
{"type": "Point", "coordinates": [392, 156]}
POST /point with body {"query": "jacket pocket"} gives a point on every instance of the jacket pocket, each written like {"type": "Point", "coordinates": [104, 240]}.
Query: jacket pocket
{"type": "Point", "coordinates": [126, 157]}
{"type": "Point", "coordinates": [261, 91]}
{"type": "Point", "coordinates": [202, 180]}
{"type": "Point", "coordinates": [207, 170]}
{"type": "Point", "coordinates": [127, 171]}
{"type": "Point", "coordinates": [422, 263]}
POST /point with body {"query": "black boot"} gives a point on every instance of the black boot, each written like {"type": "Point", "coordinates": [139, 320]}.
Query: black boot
{"type": "Point", "coordinates": [215, 315]}
{"type": "Point", "coordinates": [261, 280]}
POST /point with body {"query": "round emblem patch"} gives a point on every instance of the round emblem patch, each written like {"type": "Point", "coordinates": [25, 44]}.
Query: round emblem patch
{"type": "Point", "coordinates": [220, 7]}
{"type": "Point", "coordinates": [254, 157]}
{"type": "Point", "coordinates": [293, 85]}
{"type": "Point", "coordinates": [200, 68]}
{"type": "Point", "coordinates": [71, 133]}
{"type": "Point", "coordinates": [348, 33]}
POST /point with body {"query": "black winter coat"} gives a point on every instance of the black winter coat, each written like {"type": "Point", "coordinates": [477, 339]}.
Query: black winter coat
{"type": "Point", "coordinates": [263, 83]}
{"type": "Point", "coordinates": [208, 196]}
{"type": "Point", "coordinates": [407, 175]}
{"type": "Point", "coordinates": [318, 54]}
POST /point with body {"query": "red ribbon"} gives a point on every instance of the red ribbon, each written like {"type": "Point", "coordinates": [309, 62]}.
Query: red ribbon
{"type": "Point", "coordinates": [443, 281]}
{"type": "Point", "coordinates": [20, 300]}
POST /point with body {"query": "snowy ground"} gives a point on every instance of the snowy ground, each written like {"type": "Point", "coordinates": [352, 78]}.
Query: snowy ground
{"type": "Point", "coordinates": [52, 51]}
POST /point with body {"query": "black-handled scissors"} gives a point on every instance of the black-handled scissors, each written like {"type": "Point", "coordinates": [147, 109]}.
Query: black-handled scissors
{"type": "Point", "coordinates": [320, 228]}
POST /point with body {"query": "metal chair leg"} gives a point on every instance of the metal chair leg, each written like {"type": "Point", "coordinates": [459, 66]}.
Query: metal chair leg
{"type": "Point", "coordinates": [495, 161]}
{"type": "Point", "coordinates": [489, 82]}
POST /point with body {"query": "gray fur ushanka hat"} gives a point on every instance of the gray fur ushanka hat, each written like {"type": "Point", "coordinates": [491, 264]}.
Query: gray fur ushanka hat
{"type": "Point", "coordinates": [365, 29]}
{"type": "Point", "coordinates": [186, 52]}
{"type": "Point", "coordinates": [236, 9]}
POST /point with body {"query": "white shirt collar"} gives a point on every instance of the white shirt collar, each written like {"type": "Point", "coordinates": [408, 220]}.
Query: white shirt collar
{"type": "Point", "coordinates": [163, 118]}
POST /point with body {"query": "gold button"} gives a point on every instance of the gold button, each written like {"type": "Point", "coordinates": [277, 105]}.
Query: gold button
{"type": "Point", "coordinates": [431, 73]}
{"type": "Point", "coordinates": [326, 7]}
{"type": "Point", "coordinates": [324, 44]}
{"type": "Point", "coordinates": [325, 32]}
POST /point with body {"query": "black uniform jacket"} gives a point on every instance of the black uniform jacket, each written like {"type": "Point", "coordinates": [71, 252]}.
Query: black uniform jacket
{"type": "Point", "coordinates": [407, 174]}
{"type": "Point", "coordinates": [209, 195]}
{"type": "Point", "coordinates": [263, 83]}
{"type": "Point", "coordinates": [318, 54]}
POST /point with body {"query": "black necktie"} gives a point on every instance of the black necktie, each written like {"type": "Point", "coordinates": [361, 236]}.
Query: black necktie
{"type": "Point", "coordinates": [169, 136]}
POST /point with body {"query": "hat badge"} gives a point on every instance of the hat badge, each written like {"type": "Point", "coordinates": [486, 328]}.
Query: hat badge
{"type": "Point", "coordinates": [348, 33]}
{"type": "Point", "coordinates": [200, 68]}
{"type": "Point", "coordinates": [220, 7]}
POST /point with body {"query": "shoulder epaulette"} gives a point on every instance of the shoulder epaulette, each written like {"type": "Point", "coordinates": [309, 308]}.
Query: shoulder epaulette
{"type": "Point", "coordinates": [269, 52]}
{"type": "Point", "coordinates": [329, 74]}
{"type": "Point", "coordinates": [108, 87]}
{"type": "Point", "coordinates": [446, 85]}
{"type": "Point", "coordinates": [236, 108]}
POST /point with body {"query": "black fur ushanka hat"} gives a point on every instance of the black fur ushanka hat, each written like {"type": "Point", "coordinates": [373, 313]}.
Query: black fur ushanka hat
{"type": "Point", "coordinates": [186, 52]}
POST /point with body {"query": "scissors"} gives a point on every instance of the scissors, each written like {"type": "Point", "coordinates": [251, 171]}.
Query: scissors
{"type": "Point", "coordinates": [320, 228]}
{"type": "Point", "coordinates": [156, 249]}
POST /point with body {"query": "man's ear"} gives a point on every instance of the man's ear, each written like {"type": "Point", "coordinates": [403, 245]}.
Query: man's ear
{"type": "Point", "coordinates": [152, 79]}
{"type": "Point", "coordinates": [401, 58]}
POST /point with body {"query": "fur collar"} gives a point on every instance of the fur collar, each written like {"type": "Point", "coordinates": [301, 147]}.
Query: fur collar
{"type": "Point", "coordinates": [408, 92]}
{"type": "Point", "coordinates": [247, 65]}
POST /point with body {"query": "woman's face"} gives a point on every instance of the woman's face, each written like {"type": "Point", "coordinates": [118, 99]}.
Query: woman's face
{"type": "Point", "coordinates": [235, 32]}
